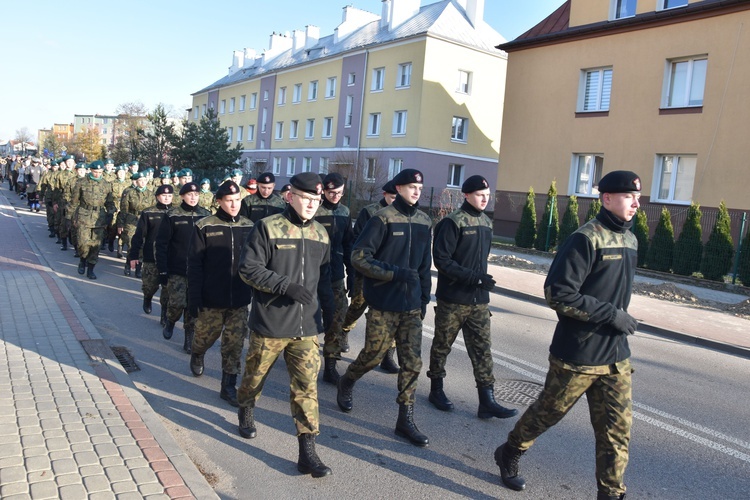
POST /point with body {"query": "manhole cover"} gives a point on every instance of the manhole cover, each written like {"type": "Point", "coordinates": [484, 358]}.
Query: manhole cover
{"type": "Point", "coordinates": [125, 358]}
{"type": "Point", "coordinates": [520, 392]}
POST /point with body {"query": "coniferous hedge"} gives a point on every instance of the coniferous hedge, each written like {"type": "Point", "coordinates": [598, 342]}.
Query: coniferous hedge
{"type": "Point", "coordinates": [744, 269]}
{"type": "Point", "coordinates": [689, 246]}
{"type": "Point", "coordinates": [526, 232]}
{"type": "Point", "coordinates": [570, 220]}
{"type": "Point", "coordinates": [547, 228]}
{"type": "Point", "coordinates": [640, 229]}
{"type": "Point", "coordinates": [661, 248]}
{"type": "Point", "coordinates": [717, 256]}
{"type": "Point", "coordinates": [594, 208]}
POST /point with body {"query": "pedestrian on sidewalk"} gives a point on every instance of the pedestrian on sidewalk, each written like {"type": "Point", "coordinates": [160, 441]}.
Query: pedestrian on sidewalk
{"type": "Point", "coordinates": [589, 285]}
{"type": "Point", "coordinates": [460, 249]}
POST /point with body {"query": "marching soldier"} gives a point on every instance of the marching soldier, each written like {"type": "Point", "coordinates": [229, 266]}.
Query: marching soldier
{"type": "Point", "coordinates": [119, 185]}
{"type": "Point", "coordinates": [286, 260]}
{"type": "Point", "coordinates": [47, 193]}
{"type": "Point", "coordinates": [132, 203]}
{"type": "Point", "coordinates": [206, 196]}
{"type": "Point", "coordinates": [69, 231]}
{"type": "Point", "coordinates": [589, 286]}
{"type": "Point", "coordinates": [265, 202]}
{"type": "Point", "coordinates": [109, 170]}
{"type": "Point", "coordinates": [237, 179]}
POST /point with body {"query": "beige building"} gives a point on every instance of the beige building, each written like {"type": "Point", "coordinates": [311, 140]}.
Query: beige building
{"type": "Point", "coordinates": [654, 86]}
{"type": "Point", "coordinates": [105, 124]}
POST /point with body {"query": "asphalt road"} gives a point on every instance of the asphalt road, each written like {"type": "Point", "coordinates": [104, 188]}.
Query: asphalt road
{"type": "Point", "coordinates": [690, 434]}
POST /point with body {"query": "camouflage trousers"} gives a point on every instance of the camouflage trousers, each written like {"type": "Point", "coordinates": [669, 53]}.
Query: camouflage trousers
{"type": "Point", "coordinates": [382, 328]}
{"type": "Point", "coordinates": [128, 230]}
{"type": "Point", "coordinates": [50, 212]}
{"type": "Point", "coordinates": [332, 337]}
{"type": "Point", "coordinates": [150, 284]}
{"type": "Point", "coordinates": [230, 325]}
{"type": "Point", "coordinates": [302, 357]}
{"type": "Point", "coordinates": [356, 307]}
{"type": "Point", "coordinates": [177, 305]}
{"type": "Point", "coordinates": [609, 392]}
{"type": "Point", "coordinates": [88, 242]}
{"type": "Point", "coordinates": [474, 321]}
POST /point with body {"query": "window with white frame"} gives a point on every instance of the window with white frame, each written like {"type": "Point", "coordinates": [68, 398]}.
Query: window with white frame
{"type": "Point", "coordinates": [294, 129]}
{"type": "Point", "coordinates": [370, 172]}
{"type": "Point", "coordinates": [279, 131]}
{"type": "Point", "coordinates": [312, 91]}
{"type": "Point", "coordinates": [394, 166]}
{"type": "Point", "coordinates": [459, 129]}
{"type": "Point", "coordinates": [240, 133]}
{"type": "Point", "coordinates": [674, 178]}
{"type": "Point", "coordinates": [254, 100]}
{"type": "Point", "coordinates": [282, 96]}
{"type": "Point", "coordinates": [455, 175]}
{"type": "Point", "coordinates": [297, 93]}
{"type": "Point", "coordinates": [230, 131]}
{"type": "Point", "coordinates": [685, 82]}
{"type": "Point", "coordinates": [242, 102]}
{"type": "Point", "coordinates": [351, 79]}
{"type": "Point", "coordinates": [378, 76]}
{"type": "Point", "coordinates": [323, 165]}
{"type": "Point", "coordinates": [347, 141]}
{"type": "Point", "coordinates": [262, 144]}
{"type": "Point", "coordinates": [349, 110]}
{"type": "Point", "coordinates": [264, 121]}
{"type": "Point", "coordinates": [585, 174]}
{"type": "Point", "coordinates": [373, 125]}
{"type": "Point", "coordinates": [211, 105]}
{"type": "Point", "coordinates": [307, 164]}
{"type": "Point", "coordinates": [403, 78]}
{"type": "Point", "coordinates": [222, 106]}
{"type": "Point", "coordinates": [399, 123]}
{"type": "Point", "coordinates": [620, 9]}
{"type": "Point", "coordinates": [595, 90]}
{"type": "Point", "coordinates": [671, 4]}
{"type": "Point", "coordinates": [251, 132]}
{"type": "Point", "coordinates": [327, 127]}
{"type": "Point", "coordinates": [203, 110]}
{"type": "Point", "coordinates": [331, 87]}
{"type": "Point", "coordinates": [464, 82]}
{"type": "Point", "coordinates": [291, 164]}
{"type": "Point", "coordinates": [310, 128]}
{"type": "Point", "coordinates": [231, 105]}
{"type": "Point", "coordinates": [265, 95]}
{"type": "Point", "coordinates": [195, 113]}
{"type": "Point", "coordinates": [276, 165]}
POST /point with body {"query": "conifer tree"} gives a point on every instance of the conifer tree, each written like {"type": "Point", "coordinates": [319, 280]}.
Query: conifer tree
{"type": "Point", "coordinates": [548, 229]}
{"type": "Point", "coordinates": [717, 256]}
{"type": "Point", "coordinates": [526, 232]}
{"type": "Point", "coordinates": [640, 229]}
{"type": "Point", "coordinates": [661, 248]}
{"type": "Point", "coordinates": [689, 246]}
{"type": "Point", "coordinates": [744, 268]}
{"type": "Point", "coordinates": [570, 220]}
{"type": "Point", "coordinates": [594, 208]}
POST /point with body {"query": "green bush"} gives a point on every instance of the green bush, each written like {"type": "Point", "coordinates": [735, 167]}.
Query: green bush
{"type": "Point", "coordinates": [640, 229]}
{"type": "Point", "coordinates": [594, 208]}
{"type": "Point", "coordinates": [570, 220]}
{"type": "Point", "coordinates": [744, 269]}
{"type": "Point", "coordinates": [548, 229]}
{"type": "Point", "coordinates": [689, 246]}
{"type": "Point", "coordinates": [717, 256]}
{"type": "Point", "coordinates": [661, 248]}
{"type": "Point", "coordinates": [526, 232]}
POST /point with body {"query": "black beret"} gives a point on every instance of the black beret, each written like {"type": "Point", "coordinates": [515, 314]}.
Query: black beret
{"type": "Point", "coordinates": [266, 178]}
{"type": "Point", "coordinates": [389, 187]}
{"type": "Point", "coordinates": [307, 182]}
{"type": "Point", "coordinates": [228, 187]}
{"type": "Point", "coordinates": [474, 183]}
{"type": "Point", "coordinates": [620, 181]}
{"type": "Point", "coordinates": [164, 189]}
{"type": "Point", "coordinates": [333, 180]}
{"type": "Point", "coordinates": [285, 188]}
{"type": "Point", "coordinates": [408, 176]}
{"type": "Point", "coordinates": [189, 187]}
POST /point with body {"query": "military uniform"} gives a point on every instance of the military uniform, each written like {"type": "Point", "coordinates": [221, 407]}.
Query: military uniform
{"type": "Point", "coordinates": [255, 207]}
{"type": "Point", "coordinates": [67, 231]}
{"type": "Point", "coordinates": [206, 200]}
{"type": "Point", "coordinates": [133, 201]}
{"type": "Point", "coordinates": [47, 195]}
{"type": "Point", "coordinates": [118, 188]}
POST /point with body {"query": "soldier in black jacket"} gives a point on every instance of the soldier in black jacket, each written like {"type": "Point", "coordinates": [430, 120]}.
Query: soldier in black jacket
{"type": "Point", "coordinates": [218, 297]}
{"type": "Point", "coordinates": [264, 202]}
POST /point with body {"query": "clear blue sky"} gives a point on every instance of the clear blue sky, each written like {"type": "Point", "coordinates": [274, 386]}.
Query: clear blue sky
{"type": "Point", "coordinates": [87, 57]}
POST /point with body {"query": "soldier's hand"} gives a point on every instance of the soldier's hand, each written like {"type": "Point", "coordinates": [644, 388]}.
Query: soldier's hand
{"type": "Point", "coordinates": [405, 274]}
{"type": "Point", "coordinates": [299, 293]}
{"type": "Point", "coordinates": [624, 322]}
{"type": "Point", "coordinates": [487, 282]}
{"type": "Point", "coordinates": [119, 230]}
{"type": "Point", "coordinates": [163, 278]}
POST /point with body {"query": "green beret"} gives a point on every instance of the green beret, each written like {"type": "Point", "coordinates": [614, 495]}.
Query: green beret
{"type": "Point", "coordinates": [205, 181]}
{"type": "Point", "coordinates": [135, 176]}
{"type": "Point", "coordinates": [186, 171]}
{"type": "Point", "coordinates": [81, 165]}
{"type": "Point", "coordinates": [237, 172]}
{"type": "Point", "coordinates": [96, 165]}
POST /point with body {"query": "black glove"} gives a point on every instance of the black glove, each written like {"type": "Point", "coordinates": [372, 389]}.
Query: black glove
{"type": "Point", "coordinates": [487, 282]}
{"type": "Point", "coordinates": [405, 274]}
{"type": "Point", "coordinates": [163, 278]}
{"type": "Point", "coordinates": [299, 294]}
{"type": "Point", "coordinates": [624, 322]}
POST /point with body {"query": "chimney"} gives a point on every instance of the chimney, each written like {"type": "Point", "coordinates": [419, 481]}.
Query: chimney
{"type": "Point", "coordinates": [278, 44]}
{"type": "Point", "coordinates": [475, 11]}
{"type": "Point", "coordinates": [298, 41]}
{"type": "Point", "coordinates": [312, 35]}
{"type": "Point", "coordinates": [238, 61]}
{"type": "Point", "coordinates": [385, 17]}
{"type": "Point", "coordinates": [352, 20]}
{"type": "Point", "coordinates": [402, 11]}
{"type": "Point", "coordinates": [250, 56]}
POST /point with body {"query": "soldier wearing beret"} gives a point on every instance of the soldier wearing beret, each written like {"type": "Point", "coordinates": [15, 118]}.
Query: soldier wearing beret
{"type": "Point", "coordinates": [206, 199]}
{"type": "Point", "coordinates": [47, 194]}
{"type": "Point", "coordinates": [286, 260]}
{"type": "Point", "coordinates": [393, 254]}
{"type": "Point", "coordinates": [132, 203]}
{"type": "Point", "coordinates": [119, 185]}
{"type": "Point", "coordinates": [460, 248]}
{"type": "Point", "coordinates": [218, 298]}
{"type": "Point", "coordinates": [589, 286]}
{"type": "Point", "coordinates": [237, 179]}
{"type": "Point", "coordinates": [69, 232]}
{"type": "Point", "coordinates": [264, 202]}
{"type": "Point", "coordinates": [173, 246]}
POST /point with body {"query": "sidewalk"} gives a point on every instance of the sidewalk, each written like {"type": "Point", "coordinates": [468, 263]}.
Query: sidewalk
{"type": "Point", "coordinates": [72, 424]}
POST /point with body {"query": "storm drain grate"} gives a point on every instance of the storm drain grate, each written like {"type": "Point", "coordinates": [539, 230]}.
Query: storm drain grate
{"type": "Point", "coordinates": [521, 392]}
{"type": "Point", "coordinates": [125, 358]}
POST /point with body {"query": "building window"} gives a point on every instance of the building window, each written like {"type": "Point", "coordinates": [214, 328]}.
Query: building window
{"type": "Point", "coordinates": [203, 110]}
{"type": "Point", "coordinates": [240, 132]}
{"type": "Point", "coordinates": [585, 174]}
{"type": "Point", "coordinates": [279, 131]}
{"type": "Point", "coordinates": [105, 120]}
{"type": "Point", "coordinates": [464, 82]}
{"type": "Point", "coordinates": [674, 177]}
{"type": "Point", "coordinates": [242, 102]}
{"type": "Point", "coordinates": [347, 141]}
{"type": "Point", "coordinates": [595, 90]}
{"type": "Point", "coordinates": [222, 106]}
{"type": "Point", "coordinates": [254, 100]}
{"type": "Point", "coordinates": [312, 91]}
{"type": "Point", "coordinates": [264, 121]}
{"type": "Point", "coordinates": [378, 75]}
{"type": "Point", "coordinates": [195, 113]}
{"type": "Point", "coordinates": [394, 166]}
{"type": "Point", "coordinates": [327, 127]}
{"type": "Point", "coordinates": [370, 170]}
{"type": "Point", "coordinates": [323, 166]}
{"type": "Point", "coordinates": [265, 95]}
{"type": "Point", "coordinates": [231, 105]}
{"type": "Point", "coordinates": [262, 144]}
{"type": "Point", "coordinates": [282, 96]}
{"type": "Point", "coordinates": [291, 163]}
{"type": "Point", "coordinates": [404, 75]}
{"type": "Point", "coordinates": [352, 78]}
{"type": "Point", "coordinates": [685, 82]}
{"type": "Point", "coordinates": [310, 128]}
{"type": "Point", "coordinates": [294, 129]}
{"type": "Point", "coordinates": [349, 110]}
{"type": "Point", "coordinates": [455, 175]}
{"type": "Point", "coordinates": [459, 130]}
{"type": "Point", "coordinates": [620, 9]}
{"type": "Point", "coordinates": [230, 131]}
{"type": "Point", "coordinates": [276, 165]}
{"type": "Point", "coordinates": [297, 93]}
{"type": "Point", "coordinates": [331, 88]}
{"type": "Point", "coordinates": [373, 126]}
{"type": "Point", "coordinates": [104, 130]}
{"type": "Point", "coordinates": [251, 132]}
{"type": "Point", "coordinates": [671, 4]}
{"type": "Point", "coordinates": [399, 123]}
{"type": "Point", "coordinates": [307, 164]}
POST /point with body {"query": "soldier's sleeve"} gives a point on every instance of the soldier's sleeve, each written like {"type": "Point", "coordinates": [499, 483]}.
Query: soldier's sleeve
{"type": "Point", "coordinates": [348, 244]}
{"type": "Point", "coordinates": [109, 204]}
{"type": "Point", "coordinates": [360, 223]}
{"type": "Point", "coordinates": [366, 246]}
{"type": "Point", "coordinates": [162, 245]}
{"type": "Point", "coordinates": [425, 278]}
{"type": "Point", "coordinates": [325, 291]}
{"type": "Point", "coordinates": [123, 209]}
{"type": "Point", "coordinates": [256, 253]}
{"type": "Point", "coordinates": [245, 207]}
{"type": "Point", "coordinates": [75, 195]}
{"type": "Point", "coordinates": [195, 268]}
{"type": "Point", "coordinates": [136, 241]}
{"type": "Point", "coordinates": [569, 270]}
{"type": "Point", "coordinates": [444, 246]}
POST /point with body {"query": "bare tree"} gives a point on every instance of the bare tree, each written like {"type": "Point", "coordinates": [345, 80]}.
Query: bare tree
{"type": "Point", "coordinates": [365, 177]}
{"type": "Point", "coordinates": [23, 137]}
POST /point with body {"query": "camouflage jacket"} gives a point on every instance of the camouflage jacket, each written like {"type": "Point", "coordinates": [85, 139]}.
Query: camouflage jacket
{"type": "Point", "coordinates": [132, 203]}
{"type": "Point", "coordinates": [366, 214]}
{"type": "Point", "coordinates": [255, 208]}
{"type": "Point", "coordinates": [92, 201]}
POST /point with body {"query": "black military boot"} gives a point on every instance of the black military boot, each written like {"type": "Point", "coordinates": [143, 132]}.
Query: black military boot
{"type": "Point", "coordinates": [228, 387]}
{"type": "Point", "coordinates": [126, 271]}
{"type": "Point", "coordinates": [138, 273]}
{"type": "Point", "coordinates": [52, 232]}
{"type": "Point", "coordinates": [168, 329]}
{"type": "Point", "coordinates": [81, 266]}
{"type": "Point", "coordinates": [388, 364]}
{"type": "Point", "coordinates": [90, 272]}
{"type": "Point", "coordinates": [405, 426]}
{"type": "Point", "coordinates": [330, 374]}
{"type": "Point", "coordinates": [247, 422]}
{"type": "Point", "coordinates": [64, 244]}
{"type": "Point", "coordinates": [147, 304]}
{"type": "Point", "coordinates": [488, 408]}
{"type": "Point", "coordinates": [309, 462]}
{"type": "Point", "coordinates": [125, 249]}
{"type": "Point", "coordinates": [119, 252]}
{"type": "Point", "coordinates": [58, 240]}
{"type": "Point", "coordinates": [437, 397]}
{"type": "Point", "coordinates": [507, 457]}
{"type": "Point", "coordinates": [344, 396]}
{"type": "Point", "coordinates": [187, 343]}
{"type": "Point", "coordinates": [163, 321]}
{"type": "Point", "coordinates": [606, 496]}
{"type": "Point", "coordinates": [196, 364]}
{"type": "Point", "coordinates": [344, 341]}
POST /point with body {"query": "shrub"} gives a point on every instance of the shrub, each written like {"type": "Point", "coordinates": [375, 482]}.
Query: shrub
{"type": "Point", "coordinates": [594, 208]}
{"type": "Point", "coordinates": [547, 234]}
{"type": "Point", "coordinates": [661, 248]}
{"type": "Point", "coordinates": [640, 229]}
{"type": "Point", "coordinates": [570, 220]}
{"type": "Point", "coordinates": [689, 246]}
{"type": "Point", "coordinates": [526, 232]}
{"type": "Point", "coordinates": [717, 256]}
{"type": "Point", "coordinates": [744, 268]}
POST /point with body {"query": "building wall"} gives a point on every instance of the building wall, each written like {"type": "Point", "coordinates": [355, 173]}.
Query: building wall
{"type": "Point", "coordinates": [593, 11]}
